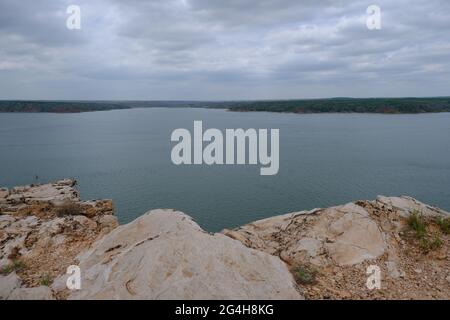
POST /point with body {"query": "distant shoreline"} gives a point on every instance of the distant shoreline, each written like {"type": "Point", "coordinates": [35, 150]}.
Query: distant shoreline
{"type": "Point", "coordinates": [300, 106]}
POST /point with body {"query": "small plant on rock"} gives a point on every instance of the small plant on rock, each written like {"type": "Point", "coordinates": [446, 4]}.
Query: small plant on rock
{"type": "Point", "coordinates": [427, 244]}
{"type": "Point", "coordinates": [45, 280]}
{"type": "Point", "coordinates": [426, 241]}
{"type": "Point", "coordinates": [444, 224]}
{"type": "Point", "coordinates": [5, 270]}
{"type": "Point", "coordinates": [305, 275]}
{"type": "Point", "coordinates": [417, 224]}
{"type": "Point", "coordinates": [16, 265]}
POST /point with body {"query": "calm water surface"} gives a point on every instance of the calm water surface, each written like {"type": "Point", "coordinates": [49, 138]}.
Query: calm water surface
{"type": "Point", "coordinates": [325, 160]}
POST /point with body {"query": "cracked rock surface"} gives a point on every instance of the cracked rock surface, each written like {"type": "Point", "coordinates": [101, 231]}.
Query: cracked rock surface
{"type": "Point", "coordinates": [164, 254]}
{"type": "Point", "coordinates": [339, 243]}
{"type": "Point", "coordinates": [42, 229]}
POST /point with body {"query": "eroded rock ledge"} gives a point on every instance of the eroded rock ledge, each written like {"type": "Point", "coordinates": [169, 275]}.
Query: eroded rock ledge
{"type": "Point", "coordinates": [339, 243]}
{"type": "Point", "coordinates": [317, 254]}
{"type": "Point", "coordinates": [165, 255]}
{"type": "Point", "coordinates": [42, 230]}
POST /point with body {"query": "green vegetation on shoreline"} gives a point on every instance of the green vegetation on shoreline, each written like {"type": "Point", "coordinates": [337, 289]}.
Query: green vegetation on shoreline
{"type": "Point", "coordinates": [88, 106]}
{"type": "Point", "coordinates": [349, 105]}
{"type": "Point", "coordinates": [57, 106]}
{"type": "Point", "coordinates": [333, 105]}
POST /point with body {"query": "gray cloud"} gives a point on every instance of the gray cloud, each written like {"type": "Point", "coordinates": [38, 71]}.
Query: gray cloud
{"type": "Point", "coordinates": [215, 49]}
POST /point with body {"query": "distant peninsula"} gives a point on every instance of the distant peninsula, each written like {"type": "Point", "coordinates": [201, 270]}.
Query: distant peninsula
{"type": "Point", "coordinates": [331, 105]}
{"type": "Point", "coordinates": [64, 106]}
{"type": "Point", "coordinates": [57, 106]}
{"type": "Point", "coordinates": [348, 105]}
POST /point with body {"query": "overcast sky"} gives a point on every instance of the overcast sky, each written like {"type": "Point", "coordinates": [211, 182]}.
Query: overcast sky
{"type": "Point", "coordinates": [223, 49]}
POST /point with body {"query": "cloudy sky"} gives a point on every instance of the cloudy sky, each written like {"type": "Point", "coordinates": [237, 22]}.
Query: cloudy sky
{"type": "Point", "coordinates": [223, 49]}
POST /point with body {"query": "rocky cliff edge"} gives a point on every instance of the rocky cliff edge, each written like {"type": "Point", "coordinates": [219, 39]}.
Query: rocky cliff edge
{"type": "Point", "coordinates": [164, 254]}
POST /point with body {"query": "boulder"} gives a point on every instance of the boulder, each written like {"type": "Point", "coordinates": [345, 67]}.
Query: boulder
{"type": "Point", "coordinates": [407, 205]}
{"type": "Point", "coordinates": [108, 223]}
{"type": "Point", "coordinates": [165, 255]}
{"type": "Point", "coordinates": [8, 284]}
{"type": "Point", "coordinates": [85, 222]}
{"type": "Point", "coordinates": [344, 235]}
{"type": "Point", "coordinates": [55, 193]}
{"type": "Point", "coordinates": [354, 239]}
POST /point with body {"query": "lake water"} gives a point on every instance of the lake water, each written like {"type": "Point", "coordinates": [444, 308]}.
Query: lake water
{"type": "Point", "coordinates": [325, 160]}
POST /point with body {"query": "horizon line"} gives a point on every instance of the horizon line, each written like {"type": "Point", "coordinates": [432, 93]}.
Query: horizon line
{"type": "Point", "coordinates": [224, 100]}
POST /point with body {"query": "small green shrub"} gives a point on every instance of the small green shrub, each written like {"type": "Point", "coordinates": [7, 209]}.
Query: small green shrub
{"type": "Point", "coordinates": [45, 280]}
{"type": "Point", "coordinates": [17, 265]}
{"type": "Point", "coordinates": [427, 244]}
{"type": "Point", "coordinates": [417, 224]}
{"type": "Point", "coordinates": [5, 270]}
{"type": "Point", "coordinates": [436, 243]}
{"type": "Point", "coordinates": [444, 225]}
{"type": "Point", "coordinates": [305, 274]}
